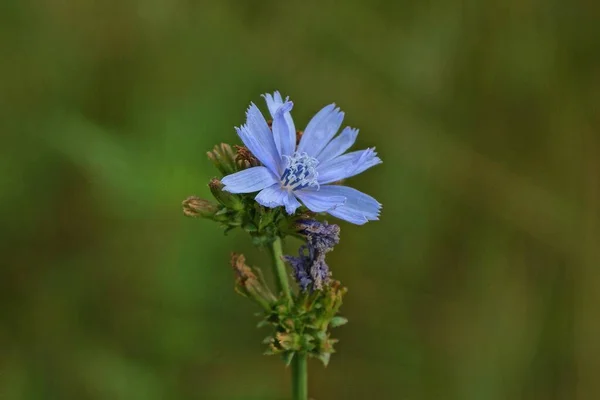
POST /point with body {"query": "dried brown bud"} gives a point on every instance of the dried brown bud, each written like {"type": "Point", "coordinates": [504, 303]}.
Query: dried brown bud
{"type": "Point", "coordinates": [194, 206]}
{"type": "Point", "coordinates": [248, 284]}
{"type": "Point", "coordinates": [244, 158]}
{"type": "Point", "coordinates": [243, 272]}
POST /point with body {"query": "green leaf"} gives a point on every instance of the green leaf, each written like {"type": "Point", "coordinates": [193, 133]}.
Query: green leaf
{"type": "Point", "coordinates": [267, 340]}
{"type": "Point", "coordinates": [262, 324]}
{"type": "Point", "coordinates": [338, 321]}
{"type": "Point", "coordinates": [324, 357]}
{"type": "Point", "coordinates": [288, 356]}
{"type": "Point", "coordinates": [250, 227]}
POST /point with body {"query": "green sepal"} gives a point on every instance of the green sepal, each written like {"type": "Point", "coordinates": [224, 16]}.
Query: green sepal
{"type": "Point", "coordinates": [324, 358]}
{"type": "Point", "coordinates": [250, 227]}
{"type": "Point", "coordinates": [338, 321]}
{"type": "Point", "coordinates": [287, 357]}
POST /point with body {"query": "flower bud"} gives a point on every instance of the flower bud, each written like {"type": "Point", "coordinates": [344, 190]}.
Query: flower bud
{"type": "Point", "coordinates": [249, 284]}
{"type": "Point", "coordinates": [223, 157]}
{"type": "Point", "coordinates": [229, 200]}
{"type": "Point", "coordinates": [196, 207]}
{"type": "Point", "coordinates": [244, 158]}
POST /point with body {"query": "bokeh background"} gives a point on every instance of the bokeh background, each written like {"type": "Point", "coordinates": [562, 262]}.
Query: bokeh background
{"type": "Point", "coordinates": [480, 281]}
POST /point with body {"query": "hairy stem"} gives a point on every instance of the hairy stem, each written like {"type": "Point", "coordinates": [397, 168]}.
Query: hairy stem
{"type": "Point", "coordinates": [283, 285]}
{"type": "Point", "coordinates": [299, 377]}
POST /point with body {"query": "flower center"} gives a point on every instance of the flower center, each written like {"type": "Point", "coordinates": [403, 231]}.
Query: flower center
{"type": "Point", "coordinates": [300, 172]}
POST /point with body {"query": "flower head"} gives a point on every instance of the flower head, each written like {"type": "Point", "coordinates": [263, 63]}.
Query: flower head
{"type": "Point", "coordinates": [294, 172]}
{"type": "Point", "coordinates": [310, 269]}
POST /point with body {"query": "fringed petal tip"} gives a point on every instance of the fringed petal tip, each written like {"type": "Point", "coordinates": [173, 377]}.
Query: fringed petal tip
{"type": "Point", "coordinates": [284, 107]}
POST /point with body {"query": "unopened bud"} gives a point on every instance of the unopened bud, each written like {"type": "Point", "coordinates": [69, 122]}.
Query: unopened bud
{"type": "Point", "coordinates": [196, 207]}
{"type": "Point", "coordinates": [244, 158]}
{"type": "Point", "coordinates": [287, 341]}
{"type": "Point", "coordinates": [229, 200]}
{"type": "Point", "coordinates": [223, 157]}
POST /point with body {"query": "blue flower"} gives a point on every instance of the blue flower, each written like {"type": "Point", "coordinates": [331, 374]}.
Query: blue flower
{"type": "Point", "coordinates": [304, 172]}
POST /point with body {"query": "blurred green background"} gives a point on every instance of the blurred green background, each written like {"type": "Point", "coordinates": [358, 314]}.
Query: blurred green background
{"type": "Point", "coordinates": [480, 281]}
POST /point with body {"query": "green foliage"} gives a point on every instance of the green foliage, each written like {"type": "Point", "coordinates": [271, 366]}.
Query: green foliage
{"type": "Point", "coordinates": [303, 327]}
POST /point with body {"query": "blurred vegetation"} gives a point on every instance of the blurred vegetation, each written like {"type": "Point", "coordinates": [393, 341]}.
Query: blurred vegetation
{"type": "Point", "coordinates": [481, 281]}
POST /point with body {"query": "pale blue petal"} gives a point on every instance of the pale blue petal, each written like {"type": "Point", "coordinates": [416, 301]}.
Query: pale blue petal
{"type": "Point", "coordinates": [258, 138]}
{"type": "Point", "coordinates": [291, 204]}
{"type": "Point", "coordinates": [339, 144]}
{"type": "Point", "coordinates": [285, 140]}
{"type": "Point", "coordinates": [346, 166]}
{"type": "Point", "coordinates": [358, 208]}
{"type": "Point", "coordinates": [275, 101]}
{"type": "Point", "coordinates": [249, 180]}
{"type": "Point", "coordinates": [319, 131]}
{"type": "Point", "coordinates": [348, 214]}
{"type": "Point", "coordinates": [316, 201]}
{"type": "Point", "coordinates": [272, 196]}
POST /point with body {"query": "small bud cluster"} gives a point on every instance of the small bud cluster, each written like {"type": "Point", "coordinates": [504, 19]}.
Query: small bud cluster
{"type": "Point", "coordinates": [244, 159]}
{"type": "Point", "coordinates": [237, 210]}
{"type": "Point", "coordinates": [304, 326]}
{"type": "Point", "coordinates": [223, 157]}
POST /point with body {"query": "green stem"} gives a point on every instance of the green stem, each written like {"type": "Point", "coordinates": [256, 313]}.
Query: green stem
{"type": "Point", "coordinates": [299, 377]}
{"type": "Point", "coordinates": [299, 368]}
{"type": "Point", "coordinates": [280, 270]}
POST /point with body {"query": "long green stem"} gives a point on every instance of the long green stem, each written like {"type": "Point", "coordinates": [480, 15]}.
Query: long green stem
{"type": "Point", "coordinates": [283, 284]}
{"type": "Point", "coordinates": [299, 368]}
{"type": "Point", "coordinates": [299, 377]}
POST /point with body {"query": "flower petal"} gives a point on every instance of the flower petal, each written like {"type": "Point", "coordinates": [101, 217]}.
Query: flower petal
{"type": "Point", "coordinates": [358, 208]}
{"type": "Point", "coordinates": [321, 128]}
{"type": "Point", "coordinates": [350, 215]}
{"type": "Point", "coordinates": [291, 204]}
{"type": "Point", "coordinates": [346, 166]}
{"type": "Point", "coordinates": [275, 101]}
{"type": "Point", "coordinates": [339, 144]}
{"type": "Point", "coordinates": [316, 201]}
{"type": "Point", "coordinates": [272, 196]}
{"type": "Point", "coordinates": [285, 139]}
{"type": "Point", "coordinates": [249, 180]}
{"type": "Point", "coordinates": [258, 138]}
{"type": "Point", "coordinates": [275, 196]}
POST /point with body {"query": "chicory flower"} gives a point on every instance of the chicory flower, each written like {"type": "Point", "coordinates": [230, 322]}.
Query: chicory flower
{"type": "Point", "coordinates": [305, 172]}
